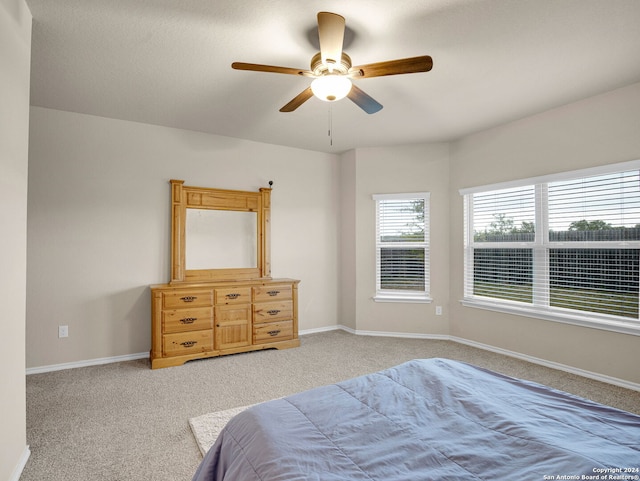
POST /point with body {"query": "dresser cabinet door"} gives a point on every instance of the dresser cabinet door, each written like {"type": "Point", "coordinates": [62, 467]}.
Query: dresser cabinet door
{"type": "Point", "coordinates": [233, 326]}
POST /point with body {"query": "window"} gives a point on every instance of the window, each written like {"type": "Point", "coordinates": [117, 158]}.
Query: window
{"type": "Point", "coordinates": [402, 247]}
{"type": "Point", "coordinates": [563, 247]}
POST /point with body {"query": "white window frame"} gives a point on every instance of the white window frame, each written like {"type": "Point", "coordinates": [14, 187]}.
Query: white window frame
{"type": "Point", "coordinates": [538, 309]}
{"type": "Point", "coordinates": [389, 295]}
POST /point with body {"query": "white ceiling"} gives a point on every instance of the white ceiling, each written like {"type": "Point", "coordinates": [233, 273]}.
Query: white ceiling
{"type": "Point", "coordinates": [168, 62]}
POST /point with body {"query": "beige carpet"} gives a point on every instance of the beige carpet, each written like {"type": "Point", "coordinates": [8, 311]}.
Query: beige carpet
{"type": "Point", "coordinates": [207, 427]}
{"type": "Point", "coordinates": [125, 421]}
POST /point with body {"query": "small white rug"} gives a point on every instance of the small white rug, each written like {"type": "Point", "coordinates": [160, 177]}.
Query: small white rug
{"type": "Point", "coordinates": [207, 427]}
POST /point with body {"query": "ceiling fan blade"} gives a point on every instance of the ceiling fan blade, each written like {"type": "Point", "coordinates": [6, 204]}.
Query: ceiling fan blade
{"type": "Point", "coordinates": [363, 100]}
{"type": "Point", "coordinates": [298, 100]}
{"type": "Point", "coordinates": [395, 67]}
{"type": "Point", "coordinates": [270, 68]}
{"type": "Point", "coordinates": [331, 34]}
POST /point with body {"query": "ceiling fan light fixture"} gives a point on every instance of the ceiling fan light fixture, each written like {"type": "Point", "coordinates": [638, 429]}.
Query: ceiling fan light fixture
{"type": "Point", "coordinates": [330, 88]}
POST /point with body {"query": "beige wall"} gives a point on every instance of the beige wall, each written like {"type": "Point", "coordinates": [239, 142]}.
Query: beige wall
{"type": "Point", "coordinates": [99, 226]}
{"type": "Point", "coordinates": [410, 168]}
{"type": "Point", "coordinates": [347, 255]}
{"type": "Point", "coordinates": [15, 51]}
{"type": "Point", "coordinates": [596, 131]}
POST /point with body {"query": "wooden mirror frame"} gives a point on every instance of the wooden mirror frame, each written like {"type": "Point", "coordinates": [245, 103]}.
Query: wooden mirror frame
{"type": "Point", "coordinates": [185, 197]}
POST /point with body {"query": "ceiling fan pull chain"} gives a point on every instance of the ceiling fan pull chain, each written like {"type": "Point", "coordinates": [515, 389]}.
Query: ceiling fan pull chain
{"type": "Point", "coordinates": [330, 125]}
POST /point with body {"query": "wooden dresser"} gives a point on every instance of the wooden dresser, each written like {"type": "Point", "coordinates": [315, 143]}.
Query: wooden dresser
{"type": "Point", "coordinates": [221, 299]}
{"type": "Point", "coordinates": [212, 319]}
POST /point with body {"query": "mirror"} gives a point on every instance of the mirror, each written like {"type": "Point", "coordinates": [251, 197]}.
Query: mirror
{"type": "Point", "coordinates": [221, 239]}
{"type": "Point", "coordinates": [219, 235]}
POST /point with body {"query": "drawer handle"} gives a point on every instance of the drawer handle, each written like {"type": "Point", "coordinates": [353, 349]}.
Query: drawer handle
{"type": "Point", "coordinates": [188, 320]}
{"type": "Point", "coordinates": [273, 293]}
{"type": "Point", "coordinates": [188, 298]}
{"type": "Point", "coordinates": [234, 295]}
{"type": "Point", "coordinates": [274, 332]}
{"type": "Point", "coordinates": [273, 312]}
{"type": "Point", "coordinates": [189, 343]}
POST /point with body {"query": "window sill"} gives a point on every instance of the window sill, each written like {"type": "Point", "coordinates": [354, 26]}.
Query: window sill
{"type": "Point", "coordinates": [584, 320]}
{"type": "Point", "coordinates": [407, 299]}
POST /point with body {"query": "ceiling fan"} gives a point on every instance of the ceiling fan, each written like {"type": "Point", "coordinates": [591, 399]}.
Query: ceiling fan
{"type": "Point", "coordinates": [332, 71]}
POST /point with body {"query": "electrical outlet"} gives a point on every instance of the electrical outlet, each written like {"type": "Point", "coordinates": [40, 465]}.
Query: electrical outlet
{"type": "Point", "coordinates": [63, 331]}
{"type": "Point", "coordinates": [438, 310]}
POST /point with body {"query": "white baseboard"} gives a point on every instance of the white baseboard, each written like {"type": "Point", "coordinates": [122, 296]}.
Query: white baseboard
{"type": "Point", "coordinates": [22, 462]}
{"type": "Point", "coordinates": [443, 337]}
{"type": "Point", "coordinates": [88, 362]}
{"type": "Point", "coordinates": [321, 329]}
{"type": "Point", "coordinates": [486, 347]}
{"type": "Point", "coordinates": [406, 335]}
{"type": "Point", "coordinates": [554, 365]}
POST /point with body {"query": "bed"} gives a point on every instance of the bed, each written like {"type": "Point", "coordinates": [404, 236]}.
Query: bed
{"type": "Point", "coordinates": [427, 419]}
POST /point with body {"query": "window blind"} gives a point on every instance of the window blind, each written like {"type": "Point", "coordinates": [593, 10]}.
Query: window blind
{"type": "Point", "coordinates": [603, 281]}
{"type": "Point", "coordinates": [402, 257]}
{"type": "Point", "coordinates": [507, 215]}
{"type": "Point", "coordinates": [567, 245]}
{"type": "Point", "coordinates": [598, 208]}
{"type": "Point", "coordinates": [503, 274]}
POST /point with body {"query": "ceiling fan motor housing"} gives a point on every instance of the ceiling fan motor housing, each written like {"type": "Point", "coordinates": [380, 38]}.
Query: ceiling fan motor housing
{"type": "Point", "coordinates": [319, 69]}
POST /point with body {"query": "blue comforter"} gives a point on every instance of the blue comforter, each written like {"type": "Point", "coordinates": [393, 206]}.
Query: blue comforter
{"type": "Point", "coordinates": [431, 419]}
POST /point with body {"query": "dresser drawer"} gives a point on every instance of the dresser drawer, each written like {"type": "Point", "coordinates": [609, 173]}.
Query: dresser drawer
{"type": "Point", "coordinates": [272, 292]}
{"type": "Point", "coordinates": [194, 319]}
{"type": "Point", "coordinates": [187, 342]}
{"type": "Point", "coordinates": [187, 298]}
{"type": "Point", "coordinates": [272, 331]}
{"type": "Point", "coordinates": [272, 311]}
{"type": "Point", "coordinates": [233, 295]}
